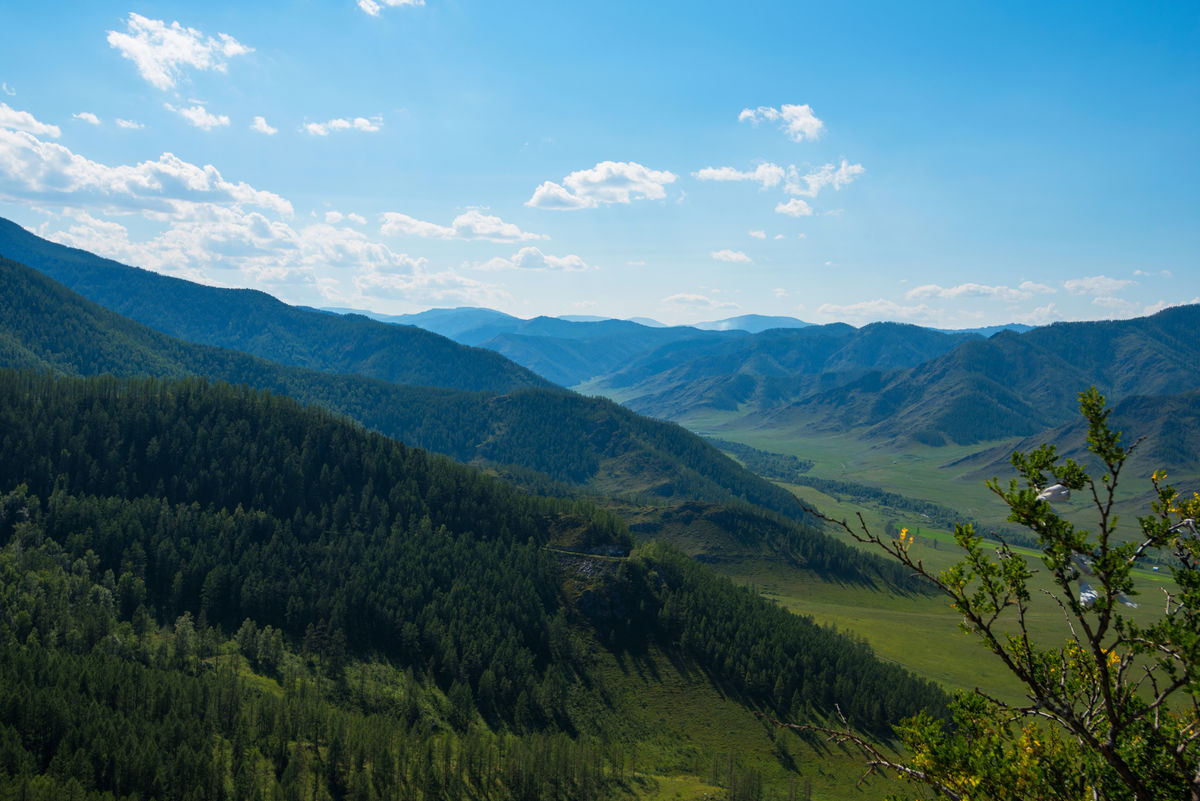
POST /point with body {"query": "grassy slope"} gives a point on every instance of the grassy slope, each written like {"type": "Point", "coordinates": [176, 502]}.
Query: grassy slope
{"type": "Point", "coordinates": [919, 632]}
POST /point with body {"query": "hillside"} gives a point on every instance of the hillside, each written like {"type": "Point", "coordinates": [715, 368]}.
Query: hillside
{"type": "Point", "coordinates": [770, 369]}
{"type": "Point", "coordinates": [589, 442]}
{"type": "Point", "coordinates": [566, 351]}
{"type": "Point", "coordinates": [322, 606]}
{"type": "Point", "coordinates": [1013, 384]}
{"type": "Point", "coordinates": [256, 323]}
{"type": "Point", "coordinates": [1168, 425]}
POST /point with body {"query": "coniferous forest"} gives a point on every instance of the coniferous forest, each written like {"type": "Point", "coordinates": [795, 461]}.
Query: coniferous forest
{"type": "Point", "coordinates": [213, 592]}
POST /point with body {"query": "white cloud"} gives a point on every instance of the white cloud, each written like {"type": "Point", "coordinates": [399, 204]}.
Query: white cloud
{"type": "Point", "coordinates": [1024, 291]}
{"type": "Point", "coordinates": [32, 169]}
{"type": "Point", "coordinates": [1155, 308]}
{"type": "Point", "coordinates": [779, 292]}
{"type": "Point", "coordinates": [1096, 285]}
{"type": "Point", "coordinates": [1160, 273]}
{"type": "Point", "coordinates": [768, 175]}
{"type": "Point", "coordinates": [1117, 305]}
{"type": "Point", "coordinates": [873, 311]}
{"type": "Point", "coordinates": [758, 234]}
{"type": "Point", "coordinates": [606, 183]}
{"type": "Point", "coordinates": [341, 124]}
{"type": "Point", "coordinates": [7, 91]}
{"type": "Point", "coordinates": [734, 256]}
{"type": "Point", "coordinates": [129, 124]}
{"type": "Point", "coordinates": [161, 51]}
{"type": "Point", "coordinates": [261, 125]}
{"type": "Point", "coordinates": [798, 122]}
{"type": "Point", "coordinates": [200, 224]}
{"type": "Point", "coordinates": [373, 7]}
{"type": "Point", "coordinates": [816, 180]}
{"type": "Point", "coordinates": [530, 258]}
{"type": "Point", "coordinates": [698, 302]}
{"type": "Point", "coordinates": [1042, 315]}
{"type": "Point", "coordinates": [24, 121]}
{"type": "Point", "coordinates": [88, 117]}
{"type": "Point", "coordinates": [794, 208]}
{"type": "Point", "coordinates": [199, 117]}
{"type": "Point", "coordinates": [471, 224]}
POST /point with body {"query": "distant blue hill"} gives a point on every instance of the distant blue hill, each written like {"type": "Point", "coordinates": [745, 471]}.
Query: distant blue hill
{"type": "Point", "coordinates": [752, 323]}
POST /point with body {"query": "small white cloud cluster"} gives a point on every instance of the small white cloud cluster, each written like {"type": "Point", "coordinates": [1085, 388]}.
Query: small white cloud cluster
{"type": "Point", "coordinates": [335, 217]}
{"type": "Point", "coordinates": [161, 51]}
{"type": "Point", "coordinates": [1096, 285]}
{"type": "Point", "coordinates": [131, 125]}
{"type": "Point", "coordinates": [531, 258]}
{"type": "Point", "coordinates": [208, 223]}
{"type": "Point", "coordinates": [471, 224]}
{"type": "Point", "coordinates": [814, 181]}
{"type": "Point", "coordinates": [200, 117]}
{"type": "Point", "coordinates": [342, 124]}
{"type": "Point", "coordinates": [373, 7]}
{"type": "Point", "coordinates": [734, 256]}
{"type": "Point", "coordinates": [261, 125]}
{"type": "Point", "coordinates": [798, 122]}
{"type": "Point", "coordinates": [1023, 291]}
{"type": "Point", "coordinates": [808, 185]}
{"type": "Point", "coordinates": [607, 183]}
{"type": "Point", "coordinates": [88, 117]}
{"type": "Point", "coordinates": [696, 302]}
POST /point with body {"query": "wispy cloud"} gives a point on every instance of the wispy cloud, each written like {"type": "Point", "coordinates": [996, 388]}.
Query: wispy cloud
{"type": "Point", "coordinates": [798, 122]}
{"type": "Point", "coordinates": [471, 224]}
{"type": "Point", "coordinates": [261, 125]}
{"type": "Point", "coordinates": [1024, 291]}
{"type": "Point", "coordinates": [88, 117]}
{"type": "Point", "coordinates": [698, 302]}
{"type": "Point", "coordinates": [129, 124]}
{"type": "Point", "coordinates": [341, 124]}
{"type": "Point", "coordinates": [161, 51]}
{"type": "Point", "coordinates": [814, 181]}
{"type": "Point", "coordinates": [373, 7]}
{"type": "Point", "coordinates": [1096, 285]}
{"type": "Point", "coordinates": [873, 310]}
{"type": "Point", "coordinates": [794, 208]}
{"type": "Point", "coordinates": [335, 217]}
{"type": "Point", "coordinates": [530, 258]}
{"type": "Point", "coordinates": [15, 120]}
{"type": "Point", "coordinates": [33, 169]}
{"type": "Point", "coordinates": [767, 175]}
{"type": "Point", "coordinates": [607, 183]}
{"type": "Point", "coordinates": [758, 234]}
{"type": "Point", "coordinates": [199, 117]}
{"type": "Point", "coordinates": [7, 91]}
{"type": "Point", "coordinates": [734, 256]}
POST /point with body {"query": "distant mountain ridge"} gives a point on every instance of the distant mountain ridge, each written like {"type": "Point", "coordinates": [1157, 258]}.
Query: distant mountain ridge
{"type": "Point", "coordinates": [1013, 384]}
{"type": "Point", "coordinates": [257, 323]}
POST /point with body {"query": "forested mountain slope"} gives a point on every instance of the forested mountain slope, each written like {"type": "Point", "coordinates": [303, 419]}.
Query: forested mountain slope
{"type": "Point", "coordinates": [126, 505]}
{"type": "Point", "coordinates": [1014, 384]}
{"type": "Point", "coordinates": [256, 323]}
{"type": "Point", "coordinates": [766, 370]}
{"type": "Point", "coordinates": [585, 441]}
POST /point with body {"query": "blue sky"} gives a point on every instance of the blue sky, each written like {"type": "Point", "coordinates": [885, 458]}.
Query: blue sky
{"type": "Point", "coordinates": [951, 164]}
